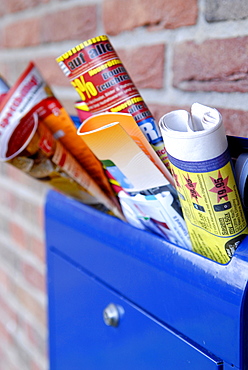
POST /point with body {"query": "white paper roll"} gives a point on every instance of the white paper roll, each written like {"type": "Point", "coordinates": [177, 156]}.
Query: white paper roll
{"type": "Point", "coordinates": [197, 148]}
{"type": "Point", "coordinates": [196, 137]}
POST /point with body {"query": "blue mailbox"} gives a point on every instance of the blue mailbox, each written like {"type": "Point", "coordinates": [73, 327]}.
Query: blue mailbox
{"type": "Point", "coordinates": [123, 299]}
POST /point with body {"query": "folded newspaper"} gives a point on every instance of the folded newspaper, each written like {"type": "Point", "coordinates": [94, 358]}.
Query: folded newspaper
{"type": "Point", "coordinates": [197, 149]}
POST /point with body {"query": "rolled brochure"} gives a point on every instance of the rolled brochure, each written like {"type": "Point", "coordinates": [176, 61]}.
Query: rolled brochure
{"type": "Point", "coordinates": [197, 149]}
{"type": "Point", "coordinates": [103, 84]}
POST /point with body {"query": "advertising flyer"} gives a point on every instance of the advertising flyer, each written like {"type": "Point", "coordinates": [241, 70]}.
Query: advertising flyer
{"type": "Point", "coordinates": [148, 199]}
{"type": "Point", "coordinates": [102, 82]}
{"type": "Point", "coordinates": [198, 152]}
{"type": "Point", "coordinates": [30, 118]}
{"type": "Point", "coordinates": [128, 123]}
{"type": "Point", "coordinates": [33, 149]}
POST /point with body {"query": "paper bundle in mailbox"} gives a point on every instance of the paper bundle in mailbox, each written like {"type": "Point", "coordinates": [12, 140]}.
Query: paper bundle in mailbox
{"type": "Point", "coordinates": [146, 192]}
{"type": "Point", "coordinates": [197, 148]}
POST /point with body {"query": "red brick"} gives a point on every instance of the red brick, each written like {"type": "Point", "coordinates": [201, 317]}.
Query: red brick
{"type": "Point", "coordinates": [38, 186]}
{"type": "Point", "coordinates": [24, 179]}
{"type": "Point", "coordinates": [68, 104]}
{"type": "Point", "coordinates": [39, 216]}
{"type": "Point", "coordinates": [7, 311]}
{"type": "Point", "coordinates": [14, 173]}
{"type": "Point", "coordinates": [11, 70]}
{"type": "Point", "coordinates": [2, 65]}
{"type": "Point", "coordinates": [27, 208]}
{"type": "Point", "coordinates": [159, 110]}
{"type": "Point", "coordinates": [13, 6]}
{"type": "Point", "coordinates": [22, 33]}
{"type": "Point", "coordinates": [12, 286]}
{"type": "Point", "coordinates": [5, 361]}
{"type": "Point", "coordinates": [4, 70]}
{"type": "Point", "coordinates": [4, 334]}
{"type": "Point", "coordinates": [119, 15]}
{"type": "Point", "coordinates": [214, 65]}
{"type": "Point", "coordinates": [8, 284]}
{"type": "Point", "coordinates": [33, 276]}
{"type": "Point", "coordinates": [74, 23]}
{"type": "Point", "coordinates": [145, 65]}
{"type": "Point", "coordinates": [22, 356]}
{"type": "Point", "coordinates": [36, 247]}
{"type": "Point", "coordinates": [51, 71]}
{"type": "Point", "coordinates": [5, 227]}
{"type": "Point", "coordinates": [4, 280]}
{"type": "Point", "coordinates": [10, 258]}
{"type": "Point", "coordinates": [31, 304]}
{"type": "Point", "coordinates": [36, 339]}
{"type": "Point", "coordinates": [34, 365]}
{"type": "Point", "coordinates": [235, 122]}
{"type": "Point", "coordinates": [18, 234]}
{"type": "Point", "coordinates": [3, 167]}
{"type": "Point", "coordinates": [7, 198]}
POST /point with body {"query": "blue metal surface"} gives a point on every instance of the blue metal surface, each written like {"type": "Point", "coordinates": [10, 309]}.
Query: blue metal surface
{"type": "Point", "coordinates": [81, 340]}
{"type": "Point", "coordinates": [200, 300]}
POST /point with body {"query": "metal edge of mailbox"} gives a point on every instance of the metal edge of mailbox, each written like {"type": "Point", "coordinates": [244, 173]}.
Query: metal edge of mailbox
{"type": "Point", "coordinates": [199, 298]}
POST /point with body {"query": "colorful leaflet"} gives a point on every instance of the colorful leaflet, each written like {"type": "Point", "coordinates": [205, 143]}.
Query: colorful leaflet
{"type": "Point", "coordinates": [102, 82]}
{"type": "Point", "coordinates": [197, 149]}
{"type": "Point", "coordinates": [119, 144]}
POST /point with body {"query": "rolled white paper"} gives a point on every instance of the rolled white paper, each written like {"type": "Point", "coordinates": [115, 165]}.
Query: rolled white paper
{"type": "Point", "coordinates": [197, 149]}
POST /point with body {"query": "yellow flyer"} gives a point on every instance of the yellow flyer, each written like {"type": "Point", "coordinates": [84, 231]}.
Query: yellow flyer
{"type": "Point", "coordinates": [205, 182]}
{"type": "Point", "coordinates": [212, 210]}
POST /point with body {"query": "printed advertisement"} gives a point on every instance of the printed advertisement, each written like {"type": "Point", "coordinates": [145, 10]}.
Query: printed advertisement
{"type": "Point", "coordinates": [24, 110]}
{"type": "Point", "coordinates": [33, 149]}
{"type": "Point", "coordinates": [157, 210]}
{"type": "Point", "coordinates": [52, 113]}
{"type": "Point", "coordinates": [102, 82]}
{"type": "Point", "coordinates": [111, 142]}
{"type": "Point", "coordinates": [128, 123]}
{"type": "Point", "coordinates": [148, 199]}
{"type": "Point", "coordinates": [205, 181]}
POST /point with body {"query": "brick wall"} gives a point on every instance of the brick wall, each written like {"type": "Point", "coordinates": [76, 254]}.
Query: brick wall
{"type": "Point", "coordinates": [177, 52]}
{"type": "Point", "coordinates": [23, 333]}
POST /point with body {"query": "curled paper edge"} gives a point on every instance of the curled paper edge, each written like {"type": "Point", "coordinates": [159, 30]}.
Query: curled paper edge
{"type": "Point", "coordinates": [182, 142]}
